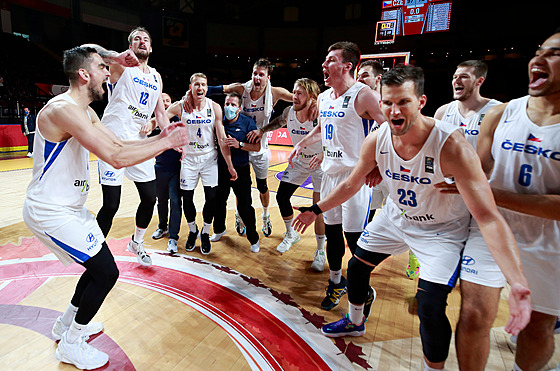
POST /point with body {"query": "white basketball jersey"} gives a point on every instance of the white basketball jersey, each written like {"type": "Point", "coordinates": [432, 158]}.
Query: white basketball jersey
{"type": "Point", "coordinates": [60, 169]}
{"type": "Point", "coordinates": [411, 182]}
{"type": "Point", "coordinates": [255, 110]}
{"type": "Point", "coordinates": [342, 129]}
{"type": "Point", "coordinates": [471, 125]}
{"type": "Point", "coordinates": [297, 131]}
{"type": "Point", "coordinates": [527, 161]}
{"type": "Point", "coordinates": [200, 126]}
{"type": "Point", "coordinates": [132, 100]}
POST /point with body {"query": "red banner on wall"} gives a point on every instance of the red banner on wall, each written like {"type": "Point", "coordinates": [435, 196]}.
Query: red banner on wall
{"type": "Point", "coordinates": [279, 136]}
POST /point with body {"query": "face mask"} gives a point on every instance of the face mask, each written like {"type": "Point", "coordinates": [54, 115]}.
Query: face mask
{"type": "Point", "coordinates": [230, 112]}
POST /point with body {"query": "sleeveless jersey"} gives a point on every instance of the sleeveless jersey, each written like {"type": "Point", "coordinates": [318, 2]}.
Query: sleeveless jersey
{"type": "Point", "coordinates": [527, 161]}
{"type": "Point", "coordinates": [411, 183]}
{"type": "Point", "coordinates": [255, 109]}
{"type": "Point", "coordinates": [342, 129]}
{"type": "Point", "coordinates": [60, 169]}
{"type": "Point", "coordinates": [200, 126]}
{"type": "Point", "coordinates": [470, 125]}
{"type": "Point", "coordinates": [132, 100]}
{"type": "Point", "coordinates": [297, 131]}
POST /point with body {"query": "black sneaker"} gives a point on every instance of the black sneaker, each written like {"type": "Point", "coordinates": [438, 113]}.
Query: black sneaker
{"type": "Point", "coordinates": [334, 293]}
{"type": "Point", "coordinates": [191, 240]}
{"type": "Point", "coordinates": [371, 295]}
{"type": "Point", "coordinates": [205, 245]}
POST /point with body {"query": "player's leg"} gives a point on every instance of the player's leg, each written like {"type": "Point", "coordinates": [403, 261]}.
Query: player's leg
{"type": "Point", "coordinates": [285, 192]}
{"type": "Point", "coordinates": [535, 344]}
{"type": "Point", "coordinates": [111, 200]}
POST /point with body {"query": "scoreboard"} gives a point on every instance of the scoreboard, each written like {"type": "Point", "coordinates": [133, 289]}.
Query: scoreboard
{"type": "Point", "coordinates": [415, 17]}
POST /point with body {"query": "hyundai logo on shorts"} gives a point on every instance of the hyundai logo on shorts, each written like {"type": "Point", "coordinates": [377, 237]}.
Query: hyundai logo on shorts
{"type": "Point", "coordinates": [467, 260]}
{"type": "Point", "coordinates": [109, 173]}
{"type": "Point", "coordinates": [90, 237]}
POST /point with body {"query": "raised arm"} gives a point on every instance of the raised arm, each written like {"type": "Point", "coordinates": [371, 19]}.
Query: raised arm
{"type": "Point", "coordinates": [457, 161]}
{"type": "Point", "coordinates": [367, 105]}
{"type": "Point", "coordinates": [281, 93]}
{"type": "Point", "coordinates": [117, 61]}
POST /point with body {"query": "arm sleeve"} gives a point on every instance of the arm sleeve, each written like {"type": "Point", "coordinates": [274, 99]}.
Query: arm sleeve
{"type": "Point", "coordinates": [215, 90]}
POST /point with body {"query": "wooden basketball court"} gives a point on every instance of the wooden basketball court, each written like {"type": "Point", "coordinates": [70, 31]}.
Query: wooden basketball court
{"type": "Point", "coordinates": [230, 310]}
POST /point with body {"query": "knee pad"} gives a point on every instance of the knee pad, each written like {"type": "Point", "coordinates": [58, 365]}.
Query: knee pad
{"type": "Point", "coordinates": [358, 280]}
{"type": "Point", "coordinates": [335, 246]}
{"type": "Point", "coordinates": [262, 186]}
{"type": "Point", "coordinates": [352, 240]}
{"type": "Point", "coordinates": [435, 329]}
{"type": "Point", "coordinates": [284, 204]}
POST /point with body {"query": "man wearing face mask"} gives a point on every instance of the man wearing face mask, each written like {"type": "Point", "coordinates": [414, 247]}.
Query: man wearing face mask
{"type": "Point", "coordinates": [237, 127]}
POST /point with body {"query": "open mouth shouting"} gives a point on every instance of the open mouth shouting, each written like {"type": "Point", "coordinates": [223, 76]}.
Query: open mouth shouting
{"type": "Point", "coordinates": [538, 78]}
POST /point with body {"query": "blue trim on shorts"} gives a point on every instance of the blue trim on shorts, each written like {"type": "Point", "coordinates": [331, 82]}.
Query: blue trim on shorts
{"type": "Point", "coordinates": [368, 211]}
{"type": "Point", "coordinates": [453, 280]}
{"type": "Point", "coordinates": [52, 150]}
{"type": "Point", "coordinates": [77, 255]}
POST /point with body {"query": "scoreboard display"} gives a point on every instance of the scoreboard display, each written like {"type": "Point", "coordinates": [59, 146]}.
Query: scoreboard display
{"type": "Point", "coordinates": [415, 17]}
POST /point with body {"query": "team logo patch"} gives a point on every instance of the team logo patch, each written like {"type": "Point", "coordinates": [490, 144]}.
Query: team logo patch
{"type": "Point", "coordinates": [346, 101]}
{"type": "Point", "coordinates": [429, 164]}
{"type": "Point", "coordinates": [480, 119]}
{"type": "Point", "coordinates": [209, 112]}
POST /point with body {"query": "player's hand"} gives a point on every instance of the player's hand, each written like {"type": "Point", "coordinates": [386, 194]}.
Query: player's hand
{"type": "Point", "coordinates": [305, 218]}
{"type": "Point", "coordinates": [374, 177]}
{"type": "Point", "coordinates": [316, 161]}
{"type": "Point", "coordinates": [519, 308]}
{"type": "Point", "coordinates": [233, 173]}
{"type": "Point", "coordinates": [232, 142]}
{"type": "Point", "coordinates": [176, 133]}
{"type": "Point", "coordinates": [445, 187]}
{"type": "Point", "coordinates": [127, 59]}
{"type": "Point", "coordinates": [147, 128]}
{"type": "Point", "coordinates": [254, 136]}
{"type": "Point", "coordinates": [295, 152]}
{"type": "Point", "coordinates": [312, 111]}
{"type": "Point", "coordinates": [188, 102]}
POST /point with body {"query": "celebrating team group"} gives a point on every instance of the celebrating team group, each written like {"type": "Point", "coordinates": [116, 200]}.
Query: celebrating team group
{"type": "Point", "coordinates": [474, 192]}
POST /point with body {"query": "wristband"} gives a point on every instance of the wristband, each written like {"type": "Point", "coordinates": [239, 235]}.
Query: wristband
{"type": "Point", "coordinates": [315, 208]}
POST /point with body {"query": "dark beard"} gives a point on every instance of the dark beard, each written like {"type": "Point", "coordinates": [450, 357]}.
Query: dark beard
{"type": "Point", "coordinates": [142, 55]}
{"type": "Point", "coordinates": [94, 95]}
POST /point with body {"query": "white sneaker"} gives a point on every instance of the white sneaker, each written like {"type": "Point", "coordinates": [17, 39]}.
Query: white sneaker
{"type": "Point", "coordinates": [239, 225]}
{"type": "Point", "coordinates": [217, 236]}
{"type": "Point", "coordinates": [29, 154]}
{"type": "Point", "coordinates": [159, 233]}
{"type": "Point", "coordinates": [172, 245]}
{"type": "Point", "coordinates": [256, 247]}
{"type": "Point", "coordinates": [80, 354]}
{"type": "Point", "coordinates": [60, 328]}
{"type": "Point", "coordinates": [288, 241]}
{"type": "Point", "coordinates": [319, 260]}
{"type": "Point", "coordinates": [267, 226]}
{"type": "Point", "coordinates": [138, 249]}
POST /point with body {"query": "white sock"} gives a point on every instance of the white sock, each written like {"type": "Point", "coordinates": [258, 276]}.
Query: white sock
{"type": "Point", "coordinates": [356, 313]}
{"type": "Point", "coordinates": [336, 276]}
{"type": "Point", "coordinates": [320, 238]}
{"type": "Point", "coordinates": [192, 227]}
{"type": "Point", "coordinates": [265, 211]}
{"type": "Point", "coordinates": [516, 367]}
{"type": "Point", "coordinates": [428, 368]}
{"type": "Point", "coordinates": [288, 223]}
{"type": "Point", "coordinates": [139, 234]}
{"type": "Point", "coordinates": [75, 331]}
{"type": "Point", "coordinates": [206, 228]}
{"type": "Point", "coordinates": [68, 315]}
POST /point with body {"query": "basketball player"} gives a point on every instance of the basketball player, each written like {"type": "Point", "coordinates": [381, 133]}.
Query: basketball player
{"type": "Point", "coordinates": [259, 98]}
{"type": "Point", "coordinates": [478, 307]}
{"type": "Point", "coordinates": [414, 152]}
{"type": "Point", "coordinates": [200, 158]}
{"type": "Point", "coordinates": [305, 165]}
{"type": "Point", "coordinates": [341, 110]}
{"type": "Point", "coordinates": [67, 130]}
{"type": "Point", "coordinates": [519, 146]}
{"type": "Point", "coordinates": [134, 94]}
